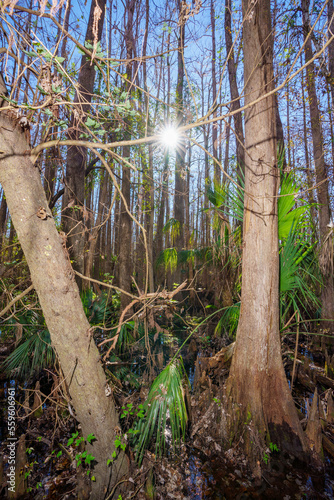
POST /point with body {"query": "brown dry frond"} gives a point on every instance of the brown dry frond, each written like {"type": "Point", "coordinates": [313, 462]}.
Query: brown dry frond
{"type": "Point", "coordinates": [97, 17]}
{"type": "Point", "coordinates": [186, 11]}
{"type": "Point", "coordinates": [56, 5]}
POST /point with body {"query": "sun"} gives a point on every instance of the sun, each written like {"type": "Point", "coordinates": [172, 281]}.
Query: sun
{"type": "Point", "coordinates": [170, 137]}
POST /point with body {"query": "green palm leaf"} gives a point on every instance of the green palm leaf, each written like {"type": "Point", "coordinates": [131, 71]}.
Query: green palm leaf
{"type": "Point", "coordinates": [287, 215]}
{"type": "Point", "coordinates": [31, 356]}
{"type": "Point", "coordinates": [167, 398]}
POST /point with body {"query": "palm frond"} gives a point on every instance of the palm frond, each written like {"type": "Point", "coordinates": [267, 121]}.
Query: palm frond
{"type": "Point", "coordinates": [168, 258]}
{"type": "Point", "coordinates": [31, 356]}
{"type": "Point", "coordinates": [172, 227]}
{"type": "Point", "coordinates": [287, 215]}
{"type": "Point", "coordinates": [99, 309]}
{"type": "Point", "coordinates": [166, 400]}
{"type": "Point", "coordinates": [229, 321]}
{"type": "Point", "coordinates": [228, 200]}
{"type": "Point", "coordinates": [297, 275]}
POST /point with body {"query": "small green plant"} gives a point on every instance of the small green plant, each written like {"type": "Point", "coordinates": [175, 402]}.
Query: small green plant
{"type": "Point", "coordinates": [273, 447]}
{"type": "Point", "coordinates": [118, 444]}
{"type": "Point", "coordinates": [249, 417]}
{"type": "Point", "coordinates": [129, 410]}
{"type": "Point", "coordinates": [85, 457]}
{"type": "Point", "coordinates": [205, 341]}
{"type": "Point", "coordinates": [77, 439]}
{"type": "Point", "coordinates": [218, 401]}
{"type": "Point", "coordinates": [29, 469]}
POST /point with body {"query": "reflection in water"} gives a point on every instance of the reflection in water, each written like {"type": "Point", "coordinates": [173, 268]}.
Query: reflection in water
{"type": "Point", "coordinates": [200, 484]}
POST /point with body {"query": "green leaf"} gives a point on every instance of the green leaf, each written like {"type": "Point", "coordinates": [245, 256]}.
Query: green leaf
{"type": "Point", "coordinates": [167, 396]}
{"type": "Point", "coordinates": [90, 438]}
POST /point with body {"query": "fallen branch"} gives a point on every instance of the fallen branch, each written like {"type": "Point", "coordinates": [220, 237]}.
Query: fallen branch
{"type": "Point", "coordinates": [143, 297]}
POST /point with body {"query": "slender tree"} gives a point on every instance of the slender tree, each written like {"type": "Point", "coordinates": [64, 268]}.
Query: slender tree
{"type": "Point", "coordinates": [179, 196]}
{"type": "Point", "coordinates": [327, 294]}
{"type": "Point", "coordinates": [214, 90]}
{"type": "Point", "coordinates": [74, 196]}
{"type": "Point", "coordinates": [125, 261]}
{"type": "Point", "coordinates": [235, 98]}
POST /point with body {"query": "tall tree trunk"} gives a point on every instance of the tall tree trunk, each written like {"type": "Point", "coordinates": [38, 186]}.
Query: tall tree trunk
{"type": "Point", "coordinates": [52, 276]}
{"type": "Point", "coordinates": [327, 294]}
{"type": "Point", "coordinates": [280, 136]}
{"type": "Point", "coordinates": [108, 257]}
{"type": "Point", "coordinates": [179, 196]}
{"type": "Point", "coordinates": [93, 236]}
{"type": "Point", "coordinates": [214, 91]}
{"type": "Point", "coordinates": [288, 123]}
{"type": "Point", "coordinates": [74, 196]}
{"type": "Point", "coordinates": [3, 216]}
{"type": "Point", "coordinates": [207, 216]}
{"type": "Point", "coordinates": [257, 388]}
{"type": "Point", "coordinates": [50, 171]}
{"type": "Point", "coordinates": [125, 261]}
{"type": "Point", "coordinates": [309, 172]}
{"type": "Point", "coordinates": [148, 174]}
{"type": "Point", "coordinates": [330, 13]}
{"type": "Point", "coordinates": [232, 75]}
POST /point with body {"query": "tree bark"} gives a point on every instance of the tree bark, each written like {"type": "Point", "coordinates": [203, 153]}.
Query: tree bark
{"type": "Point", "coordinates": [214, 92]}
{"type": "Point", "coordinates": [235, 99]}
{"type": "Point", "coordinates": [257, 389]}
{"type": "Point", "coordinates": [73, 220]}
{"type": "Point", "coordinates": [52, 276]}
{"type": "Point", "coordinates": [94, 233]}
{"type": "Point", "coordinates": [330, 17]}
{"type": "Point", "coordinates": [125, 261]}
{"type": "Point", "coordinates": [327, 293]}
{"type": "Point", "coordinates": [3, 216]}
{"type": "Point", "coordinates": [179, 196]}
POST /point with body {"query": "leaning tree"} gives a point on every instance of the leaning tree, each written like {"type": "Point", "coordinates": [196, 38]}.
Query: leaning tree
{"type": "Point", "coordinates": [53, 279]}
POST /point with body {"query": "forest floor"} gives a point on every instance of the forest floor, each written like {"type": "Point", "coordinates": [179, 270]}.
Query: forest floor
{"type": "Point", "coordinates": [200, 469]}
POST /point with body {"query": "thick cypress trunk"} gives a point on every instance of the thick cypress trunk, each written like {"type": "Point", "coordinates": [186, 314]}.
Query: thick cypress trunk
{"type": "Point", "coordinates": [257, 388]}
{"type": "Point", "coordinates": [53, 279]}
